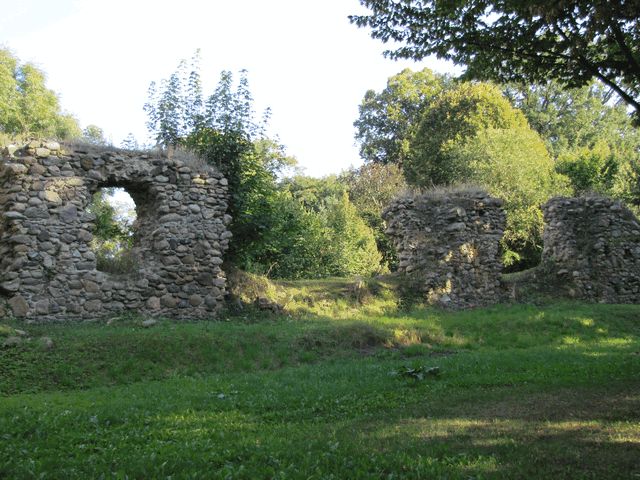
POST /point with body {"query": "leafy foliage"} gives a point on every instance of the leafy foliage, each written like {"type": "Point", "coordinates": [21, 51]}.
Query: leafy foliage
{"type": "Point", "coordinates": [352, 245]}
{"type": "Point", "coordinates": [222, 129]}
{"type": "Point", "coordinates": [513, 164]}
{"type": "Point", "coordinates": [130, 143]}
{"type": "Point", "coordinates": [371, 188]}
{"type": "Point", "coordinates": [275, 232]}
{"type": "Point", "coordinates": [589, 169]}
{"type": "Point", "coordinates": [94, 135]}
{"type": "Point", "coordinates": [456, 115]}
{"type": "Point", "coordinates": [571, 41]}
{"type": "Point", "coordinates": [387, 120]}
{"type": "Point", "coordinates": [307, 240]}
{"type": "Point", "coordinates": [174, 107]}
{"type": "Point", "coordinates": [113, 235]}
{"type": "Point", "coordinates": [28, 107]}
{"type": "Point", "coordinates": [592, 139]}
{"type": "Point", "coordinates": [292, 242]}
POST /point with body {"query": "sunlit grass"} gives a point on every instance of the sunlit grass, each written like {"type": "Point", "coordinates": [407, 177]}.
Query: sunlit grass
{"type": "Point", "coordinates": [524, 392]}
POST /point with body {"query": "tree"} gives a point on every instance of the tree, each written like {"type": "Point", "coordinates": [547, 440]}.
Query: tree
{"type": "Point", "coordinates": [113, 235]}
{"type": "Point", "coordinates": [352, 244]}
{"type": "Point", "coordinates": [27, 106]}
{"type": "Point", "coordinates": [371, 188]}
{"type": "Point", "coordinates": [173, 106]}
{"type": "Point", "coordinates": [592, 139]}
{"type": "Point", "coordinates": [292, 242]}
{"type": "Point", "coordinates": [313, 192]}
{"type": "Point", "coordinates": [514, 165]}
{"type": "Point", "coordinates": [130, 143]}
{"type": "Point", "coordinates": [223, 130]}
{"type": "Point", "coordinates": [575, 118]}
{"type": "Point", "coordinates": [456, 115]}
{"type": "Point", "coordinates": [572, 41]}
{"type": "Point", "coordinates": [387, 119]}
{"type": "Point", "coordinates": [94, 135]}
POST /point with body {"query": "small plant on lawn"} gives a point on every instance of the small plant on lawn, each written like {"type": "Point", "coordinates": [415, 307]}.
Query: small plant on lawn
{"type": "Point", "coordinates": [417, 373]}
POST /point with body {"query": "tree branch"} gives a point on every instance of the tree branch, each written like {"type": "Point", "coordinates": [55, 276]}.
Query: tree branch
{"type": "Point", "coordinates": [596, 72]}
{"type": "Point", "coordinates": [619, 37]}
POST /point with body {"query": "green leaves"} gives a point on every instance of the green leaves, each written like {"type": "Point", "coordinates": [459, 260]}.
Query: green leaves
{"type": "Point", "coordinates": [27, 106]}
{"type": "Point", "coordinates": [388, 119]}
{"type": "Point", "coordinates": [572, 42]}
{"type": "Point", "coordinates": [455, 116]}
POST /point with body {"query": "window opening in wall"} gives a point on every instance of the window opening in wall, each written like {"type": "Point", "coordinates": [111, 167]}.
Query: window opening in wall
{"type": "Point", "coordinates": [114, 233]}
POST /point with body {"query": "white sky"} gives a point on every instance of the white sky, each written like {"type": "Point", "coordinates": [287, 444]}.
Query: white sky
{"type": "Point", "coordinates": [304, 60]}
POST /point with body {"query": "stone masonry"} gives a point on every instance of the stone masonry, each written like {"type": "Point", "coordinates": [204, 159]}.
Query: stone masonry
{"type": "Point", "coordinates": [592, 249]}
{"type": "Point", "coordinates": [450, 245]}
{"type": "Point", "coordinates": [47, 268]}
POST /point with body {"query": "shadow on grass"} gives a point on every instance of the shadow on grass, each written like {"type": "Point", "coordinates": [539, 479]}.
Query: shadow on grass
{"type": "Point", "coordinates": [577, 433]}
{"type": "Point", "coordinates": [535, 413]}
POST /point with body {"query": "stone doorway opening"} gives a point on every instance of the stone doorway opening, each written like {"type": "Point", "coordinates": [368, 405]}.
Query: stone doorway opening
{"type": "Point", "coordinates": [115, 232]}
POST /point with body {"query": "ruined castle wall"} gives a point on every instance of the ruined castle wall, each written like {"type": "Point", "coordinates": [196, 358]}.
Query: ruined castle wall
{"type": "Point", "coordinates": [449, 244]}
{"type": "Point", "coordinates": [592, 249]}
{"type": "Point", "coordinates": [47, 269]}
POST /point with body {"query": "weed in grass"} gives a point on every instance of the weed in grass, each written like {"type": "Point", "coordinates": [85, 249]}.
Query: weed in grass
{"type": "Point", "coordinates": [417, 373]}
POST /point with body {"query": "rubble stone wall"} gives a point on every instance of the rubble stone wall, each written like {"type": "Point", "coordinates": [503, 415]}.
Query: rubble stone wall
{"type": "Point", "coordinates": [450, 245]}
{"type": "Point", "coordinates": [47, 268]}
{"type": "Point", "coordinates": [592, 249]}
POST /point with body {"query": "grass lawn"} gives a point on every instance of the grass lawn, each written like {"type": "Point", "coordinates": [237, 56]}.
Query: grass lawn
{"type": "Point", "coordinates": [523, 392]}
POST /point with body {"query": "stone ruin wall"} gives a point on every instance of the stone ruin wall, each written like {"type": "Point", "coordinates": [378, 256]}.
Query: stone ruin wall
{"type": "Point", "coordinates": [47, 268]}
{"type": "Point", "coordinates": [592, 249]}
{"type": "Point", "coordinates": [450, 246]}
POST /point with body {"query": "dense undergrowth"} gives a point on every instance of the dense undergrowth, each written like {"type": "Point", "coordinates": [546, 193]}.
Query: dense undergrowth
{"type": "Point", "coordinates": [524, 391]}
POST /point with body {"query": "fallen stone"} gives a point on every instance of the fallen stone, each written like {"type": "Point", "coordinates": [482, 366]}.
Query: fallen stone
{"type": "Point", "coordinates": [12, 341]}
{"type": "Point", "coordinates": [46, 343]}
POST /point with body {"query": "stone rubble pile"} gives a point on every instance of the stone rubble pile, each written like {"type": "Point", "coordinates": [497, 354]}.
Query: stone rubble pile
{"type": "Point", "coordinates": [47, 268]}
{"type": "Point", "coordinates": [450, 245]}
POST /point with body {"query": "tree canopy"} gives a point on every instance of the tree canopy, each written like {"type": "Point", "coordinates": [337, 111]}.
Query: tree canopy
{"type": "Point", "coordinates": [294, 228]}
{"type": "Point", "coordinates": [592, 139]}
{"type": "Point", "coordinates": [28, 106]}
{"type": "Point", "coordinates": [572, 41]}
{"type": "Point", "coordinates": [387, 119]}
{"type": "Point", "coordinates": [456, 115]}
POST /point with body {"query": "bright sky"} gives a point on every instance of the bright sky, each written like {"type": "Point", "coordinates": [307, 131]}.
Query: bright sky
{"type": "Point", "coordinates": [305, 61]}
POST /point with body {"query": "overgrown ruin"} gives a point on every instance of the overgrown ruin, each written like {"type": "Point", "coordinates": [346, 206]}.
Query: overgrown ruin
{"type": "Point", "coordinates": [448, 244]}
{"type": "Point", "coordinates": [47, 268]}
{"type": "Point", "coordinates": [449, 248]}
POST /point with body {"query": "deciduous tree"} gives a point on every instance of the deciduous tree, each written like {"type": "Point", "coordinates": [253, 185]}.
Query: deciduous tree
{"type": "Point", "coordinates": [387, 119]}
{"type": "Point", "coordinates": [27, 106]}
{"type": "Point", "coordinates": [472, 134]}
{"type": "Point", "coordinates": [572, 41]}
